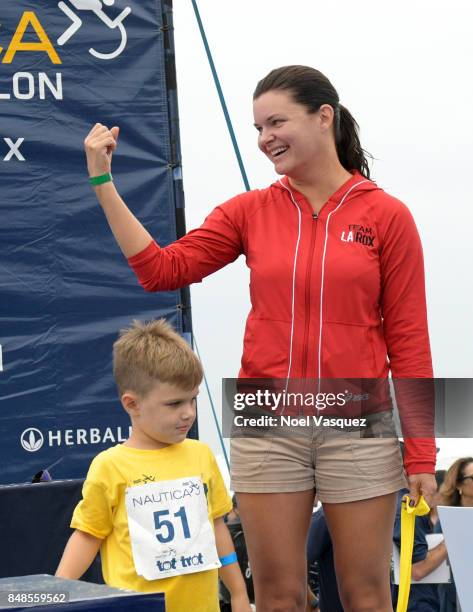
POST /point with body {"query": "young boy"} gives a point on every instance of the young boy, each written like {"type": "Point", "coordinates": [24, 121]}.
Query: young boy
{"type": "Point", "coordinates": [154, 505]}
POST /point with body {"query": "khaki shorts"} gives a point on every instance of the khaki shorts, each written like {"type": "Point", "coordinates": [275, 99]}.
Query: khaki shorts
{"type": "Point", "coordinates": [340, 465]}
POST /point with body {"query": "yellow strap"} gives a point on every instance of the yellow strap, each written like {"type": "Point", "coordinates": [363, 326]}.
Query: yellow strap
{"type": "Point", "coordinates": [408, 518]}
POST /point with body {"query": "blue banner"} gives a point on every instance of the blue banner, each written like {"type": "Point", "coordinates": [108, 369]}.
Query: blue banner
{"type": "Point", "coordinates": [65, 288]}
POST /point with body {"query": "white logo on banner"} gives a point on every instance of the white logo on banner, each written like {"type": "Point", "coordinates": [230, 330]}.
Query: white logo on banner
{"type": "Point", "coordinates": [31, 439]}
{"type": "Point", "coordinates": [96, 7]}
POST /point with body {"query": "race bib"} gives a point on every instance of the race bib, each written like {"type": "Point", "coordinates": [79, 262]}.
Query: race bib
{"type": "Point", "coordinates": [169, 528]}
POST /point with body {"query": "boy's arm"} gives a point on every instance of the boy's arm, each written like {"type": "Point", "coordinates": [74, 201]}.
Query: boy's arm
{"type": "Point", "coordinates": [80, 551]}
{"type": "Point", "coordinates": [231, 574]}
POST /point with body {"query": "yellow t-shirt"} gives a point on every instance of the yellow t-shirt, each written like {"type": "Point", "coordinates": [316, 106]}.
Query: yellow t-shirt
{"type": "Point", "coordinates": [102, 513]}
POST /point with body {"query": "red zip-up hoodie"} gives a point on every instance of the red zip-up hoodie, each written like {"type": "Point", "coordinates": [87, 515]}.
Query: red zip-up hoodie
{"type": "Point", "coordinates": [335, 295]}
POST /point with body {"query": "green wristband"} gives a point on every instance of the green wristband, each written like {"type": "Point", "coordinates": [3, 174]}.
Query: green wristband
{"type": "Point", "coordinates": [100, 180]}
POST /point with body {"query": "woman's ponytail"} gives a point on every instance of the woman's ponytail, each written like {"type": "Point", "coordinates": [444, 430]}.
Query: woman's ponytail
{"type": "Point", "coordinates": [350, 152]}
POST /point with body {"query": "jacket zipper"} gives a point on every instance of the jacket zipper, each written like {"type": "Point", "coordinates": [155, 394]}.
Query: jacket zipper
{"type": "Point", "coordinates": [305, 343]}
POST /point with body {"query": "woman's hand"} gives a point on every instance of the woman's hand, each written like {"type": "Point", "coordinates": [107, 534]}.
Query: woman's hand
{"type": "Point", "coordinates": [422, 484]}
{"type": "Point", "coordinates": [99, 145]}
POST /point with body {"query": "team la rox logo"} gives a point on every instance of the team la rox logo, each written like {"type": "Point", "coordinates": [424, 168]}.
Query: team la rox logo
{"type": "Point", "coordinates": [358, 233]}
{"type": "Point", "coordinates": [32, 439]}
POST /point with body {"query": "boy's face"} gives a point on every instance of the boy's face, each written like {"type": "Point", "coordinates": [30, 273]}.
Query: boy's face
{"type": "Point", "coordinates": [161, 417]}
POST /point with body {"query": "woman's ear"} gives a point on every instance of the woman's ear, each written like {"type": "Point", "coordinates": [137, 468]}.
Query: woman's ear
{"type": "Point", "coordinates": [326, 115]}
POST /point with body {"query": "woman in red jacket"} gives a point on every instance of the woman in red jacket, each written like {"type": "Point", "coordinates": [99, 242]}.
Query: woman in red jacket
{"type": "Point", "coordinates": [337, 291]}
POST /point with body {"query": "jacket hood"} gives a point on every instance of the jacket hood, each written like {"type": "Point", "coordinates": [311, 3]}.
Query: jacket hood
{"type": "Point", "coordinates": [352, 188]}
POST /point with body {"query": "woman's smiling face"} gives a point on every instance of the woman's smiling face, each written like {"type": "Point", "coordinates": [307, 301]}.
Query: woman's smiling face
{"type": "Point", "coordinates": [291, 137]}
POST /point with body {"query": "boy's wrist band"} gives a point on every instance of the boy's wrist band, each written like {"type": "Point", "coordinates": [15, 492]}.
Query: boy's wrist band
{"type": "Point", "coordinates": [228, 559]}
{"type": "Point", "coordinates": [100, 180]}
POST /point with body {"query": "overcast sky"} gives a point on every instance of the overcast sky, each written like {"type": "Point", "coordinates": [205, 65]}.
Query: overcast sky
{"type": "Point", "coordinates": [404, 71]}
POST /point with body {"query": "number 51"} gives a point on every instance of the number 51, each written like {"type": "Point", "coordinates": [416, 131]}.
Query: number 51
{"type": "Point", "coordinates": [161, 523]}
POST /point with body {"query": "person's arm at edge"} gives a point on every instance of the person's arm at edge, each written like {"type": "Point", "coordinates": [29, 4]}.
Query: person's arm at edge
{"type": "Point", "coordinates": [230, 574]}
{"type": "Point", "coordinates": [434, 558]}
{"type": "Point", "coordinates": [424, 560]}
{"type": "Point", "coordinates": [81, 549]}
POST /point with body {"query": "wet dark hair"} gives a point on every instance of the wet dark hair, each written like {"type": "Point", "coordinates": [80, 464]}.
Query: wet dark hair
{"type": "Point", "coordinates": [312, 89]}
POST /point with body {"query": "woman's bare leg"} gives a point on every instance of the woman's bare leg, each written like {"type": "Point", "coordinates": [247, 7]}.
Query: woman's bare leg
{"type": "Point", "coordinates": [276, 526]}
{"type": "Point", "coordinates": [362, 536]}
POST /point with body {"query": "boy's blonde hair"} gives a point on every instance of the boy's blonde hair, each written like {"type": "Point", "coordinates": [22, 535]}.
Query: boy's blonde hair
{"type": "Point", "coordinates": [147, 353]}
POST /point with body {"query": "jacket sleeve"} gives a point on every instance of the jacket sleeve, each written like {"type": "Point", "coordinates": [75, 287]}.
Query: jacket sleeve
{"type": "Point", "coordinates": [404, 312]}
{"type": "Point", "coordinates": [197, 254]}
